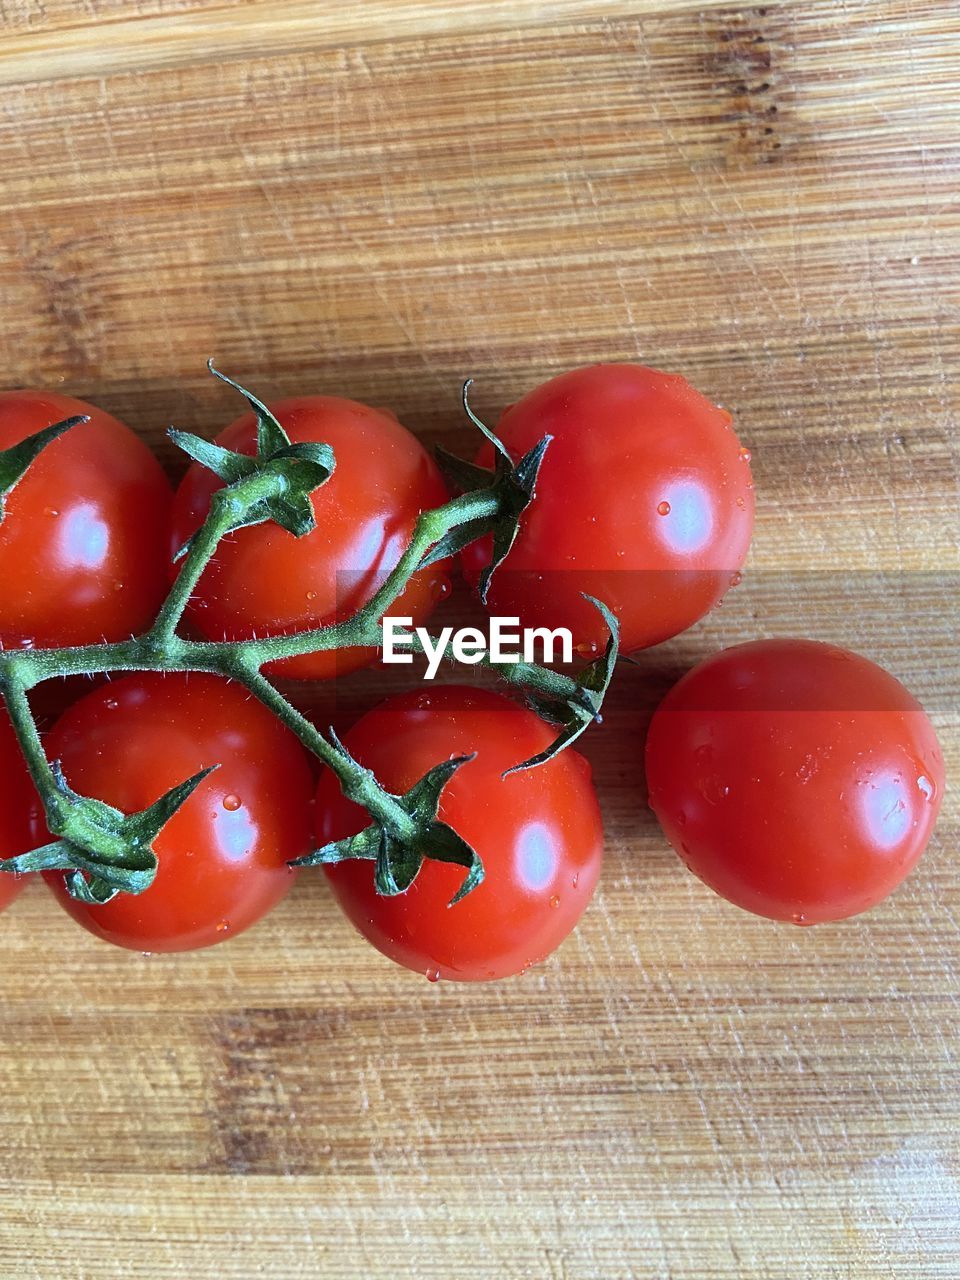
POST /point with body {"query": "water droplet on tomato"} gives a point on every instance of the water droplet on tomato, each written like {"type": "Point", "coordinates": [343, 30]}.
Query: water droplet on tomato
{"type": "Point", "coordinates": [663, 509]}
{"type": "Point", "coordinates": [799, 918]}
{"type": "Point", "coordinates": [441, 587]}
{"type": "Point", "coordinates": [432, 975]}
{"type": "Point", "coordinates": [52, 512]}
{"type": "Point", "coordinates": [926, 786]}
{"type": "Point", "coordinates": [26, 643]}
{"type": "Point", "coordinates": [745, 455]}
{"type": "Point", "coordinates": [111, 704]}
{"type": "Point", "coordinates": [742, 503]}
{"type": "Point", "coordinates": [554, 901]}
{"type": "Point", "coordinates": [736, 579]}
{"type": "Point", "coordinates": [223, 926]}
{"type": "Point", "coordinates": [588, 649]}
{"type": "Point", "coordinates": [232, 803]}
{"type": "Point", "coordinates": [311, 595]}
{"type": "Point", "coordinates": [808, 768]}
{"type": "Point", "coordinates": [576, 879]}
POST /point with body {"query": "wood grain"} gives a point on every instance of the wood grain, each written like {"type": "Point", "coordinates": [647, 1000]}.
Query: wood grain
{"type": "Point", "coordinates": [378, 200]}
{"type": "Point", "coordinates": [104, 36]}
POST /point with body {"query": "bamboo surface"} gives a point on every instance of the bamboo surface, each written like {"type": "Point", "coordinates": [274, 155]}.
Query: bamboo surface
{"type": "Point", "coordinates": [378, 199]}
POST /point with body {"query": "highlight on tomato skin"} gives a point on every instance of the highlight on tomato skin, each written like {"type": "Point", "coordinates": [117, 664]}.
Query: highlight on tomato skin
{"type": "Point", "coordinates": [644, 500]}
{"type": "Point", "coordinates": [538, 832]}
{"type": "Point", "coordinates": [88, 521]}
{"type": "Point", "coordinates": [797, 779]}
{"type": "Point", "coordinates": [222, 857]}
{"type": "Point", "coordinates": [263, 581]}
{"type": "Point", "coordinates": [17, 800]}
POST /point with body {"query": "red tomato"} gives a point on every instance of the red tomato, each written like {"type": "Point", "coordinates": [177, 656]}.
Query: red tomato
{"type": "Point", "coordinates": [797, 779]}
{"type": "Point", "coordinates": [223, 855]}
{"type": "Point", "coordinates": [264, 581]}
{"type": "Point", "coordinates": [644, 500]}
{"type": "Point", "coordinates": [16, 797]}
{"type": "Point", "coordinates": [538, 832]}
{"type": "Point", "coordinates": [83, 544]}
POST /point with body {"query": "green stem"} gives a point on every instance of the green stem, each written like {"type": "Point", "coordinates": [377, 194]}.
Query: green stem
{"type": "Point", "coordinates": [363, 628]}
{"type": "Point", "coordinates": [357, 783]}
{"type": "Point", "coordinates": [161, 649]}
{"type": "Point", "coordinates": [28, 735]}
{"type": "Point", "coordinates": [225, 505]}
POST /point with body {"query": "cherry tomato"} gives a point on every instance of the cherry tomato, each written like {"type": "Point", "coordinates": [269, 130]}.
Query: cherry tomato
{"type": "Point", "coordinates": [223, 855]}
{"type": "Point", "coordinates": [644, 500]}
{"type": "Point", "coordinates": [264, 581]}
{"type": "Point", "coordinates": [83, 544]}
{"type": "Point", "coordinates": [16, 797]}
{"type": "Point", "coordinates": [538, 832]}
{"type": "Point", "coordinates": [798, 780]}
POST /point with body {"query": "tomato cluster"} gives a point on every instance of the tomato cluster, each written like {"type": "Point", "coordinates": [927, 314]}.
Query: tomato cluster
{"type": "Point", "coordinates": [798, 780]}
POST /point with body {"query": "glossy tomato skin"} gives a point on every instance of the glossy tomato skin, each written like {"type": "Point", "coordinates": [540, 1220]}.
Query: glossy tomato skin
{"type": "Point", "coordinates": [223, 855]}
{"type": "Point", "coordinates": [17, 799]}
{"type": "Point", "coordinates": [264, 581]}
{"type": "Point", "coordinates": [538, 832]}
{"type": "Point", "coordinates": [644, 500]}
{"type": "Point", "coordinates": [799, 780]}
{"type": "Point", "coordinates": [83, 545]}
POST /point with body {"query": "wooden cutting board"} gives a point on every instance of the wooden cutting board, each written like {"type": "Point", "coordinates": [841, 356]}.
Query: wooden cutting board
{"type": "Point", "coordinates": [379, 199]}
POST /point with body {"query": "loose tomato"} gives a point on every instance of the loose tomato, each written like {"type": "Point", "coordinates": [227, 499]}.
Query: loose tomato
{"type": "Point", "coordinates": [799, 780]}
{"type": "Point", "coordinates": [263, 581]}
{"type": "Point", "coordinates": [223, 855]}
{"type": "Point", "coordinates": [644, 500]}
{"type": "Point", "coordinates": [16, 798]}
{"type": "Point", "coordinates": [83, 544]}
{"type": "Point", "coordinates": [538, 832]}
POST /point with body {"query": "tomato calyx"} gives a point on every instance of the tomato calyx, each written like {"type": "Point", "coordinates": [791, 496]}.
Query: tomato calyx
{"type": "Point", "coordinates": [400, 843]}
{"type": "Point", "coordinates": [580, 707]}
{"type": "Point", "coordinates": [102, 850]}
{"type": "Point", "coordinates": [513, 485]}
{"type": "Point", "coordinates": [274, 484]}
{"type": "Point", "coordinates": [16, 461]}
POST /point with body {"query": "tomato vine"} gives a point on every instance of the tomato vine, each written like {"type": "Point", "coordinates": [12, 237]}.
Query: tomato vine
{"type": "Point", "coordinates": [103, 851]}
